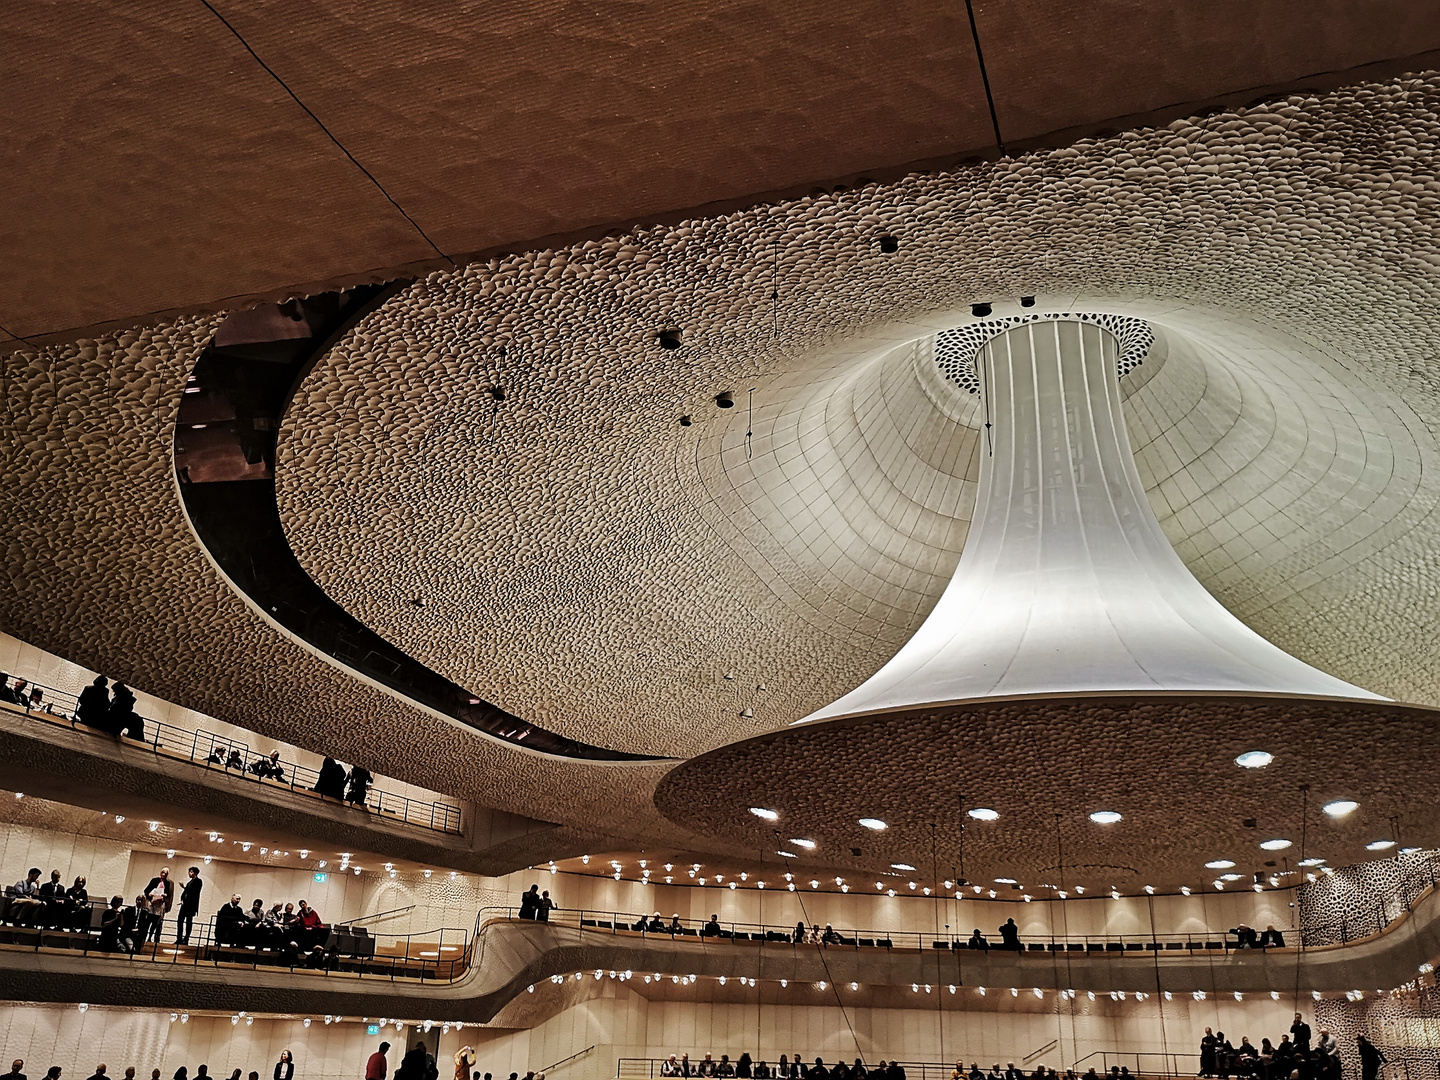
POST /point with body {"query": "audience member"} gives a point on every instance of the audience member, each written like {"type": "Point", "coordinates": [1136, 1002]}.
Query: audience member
{"type": "Point", "coordinates": [189, 905]}
{"type": "Point", "coordinates": [18, 1064]}
{"type": "Point", "coordinates": [121, 718]}
{"type": "Point", "coordinates": [358, 783]}
{"type": "Point", "coordinates": [331, 781]}
{"type": "Point", "coordinates": [377, 1067]}
{"type": "Point", "coordinates": [977, 941]}
{"type": "Point", "coordinates": [530, 903]}
{"type": "Point", "coordinates": [546, 905]}
{"type": "Point", "coordinates": [1010, 935]}
{"type": "Point", "coordinates": [93, 707]}
{"type": "Point", "coordinates": [230, 923]}
{"type": "Point", "coordinates": [1300, 1034]}
{"type": "Point", "coordinates": [1370, 1058]}
{"type": "Point", "coordinates": [112, 922]}
{"type": "Point", "coordinates": [26, 906]}
{"type": "Point", "coordinates": [7, 695]}
{"type": "Point", "coordinates": [159, 895]}
{"type": "Point", "coordinates": [269, 768]}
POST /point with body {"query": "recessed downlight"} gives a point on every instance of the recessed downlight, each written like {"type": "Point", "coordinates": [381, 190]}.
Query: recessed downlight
{"type": "Point", "coordinates": [1274, 845]}
{"type": "Point", "coordinates": [766, 815]}
{"type": "Point", "coordinates": [1105, 817]}
{"type": "Point", "coordinates": [1219, 864]}
{"type": "Point", "coordinates": [1254, 759]}
{"type": "Point", "coordinates": [1380, 845]}
{"type": "Point", "coordinates": [873, 823]}
{"type": "Point", "coordinates": [1341, 807]}
{"type": "Point", "coordinates": [808, 845]}
{"type": "Point", "coordinates": [901, 866]}
{"type": "Point", "coordinates": [984, 813]}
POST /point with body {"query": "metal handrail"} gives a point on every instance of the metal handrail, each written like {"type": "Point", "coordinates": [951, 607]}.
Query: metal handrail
{"type": "Point", "coordinates": [210, 750]}
{"type": "Point", "coordinates": [730, 932]}
{"type": "Point", "coordinates": [419, 955]}
{"type": "Point", "coordinates": [567, 1060]}
{"type": "Point", "coordinates": [634, 1068]}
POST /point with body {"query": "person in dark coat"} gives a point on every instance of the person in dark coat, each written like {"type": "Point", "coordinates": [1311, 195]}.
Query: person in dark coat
{"type": "Point", "coordinates": [359, 781]}
{"type": "Point", "coordinates": [1370, 1058]}
{"type": "Point", "coordinates": [331, 781]}
{"type": "Point", "coordinates": [413, 1064]}
{"type": "Point", "coordinates": [1208, 1045]}
{"type": "Point", "coordinates": [93, 709]}
{"type": "Point", "coordinates": [1009, 935]}
{"type": "Point", "coordinates": [1300, 1034]}
{"type": "Point", "coordinates": [122, 710]}
{"type": "Point", "coordinates": [530, 903]}
{"type": "Point", "coordinates": [189, 906]}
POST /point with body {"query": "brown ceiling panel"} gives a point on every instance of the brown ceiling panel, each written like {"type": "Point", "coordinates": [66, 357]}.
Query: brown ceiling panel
{"type": "Point", "coordinates": [1058, 64]}
{"type": "Point", "coordinates": [151, 164]}
{"type": "Point", "coordinates": [494, 123]}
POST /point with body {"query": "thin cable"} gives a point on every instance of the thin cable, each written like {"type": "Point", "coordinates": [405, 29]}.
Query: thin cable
{"type": "Point", "coordinates": [329, 134]}
{"type": "Point", "coordinates": [935, 881]}
{"type": "Point", "coordinates": [985, 396]}
{"type": "Point", "coordinates": [984, 76]}
{"type": "Point", "coordinates": [750, 427]}
{"type": "Point", "coordinates": [775, 288]}
{"type": "Point", "coordinates": [830, 978]}
{"type": "Point", "coordinates": [1304, 832]}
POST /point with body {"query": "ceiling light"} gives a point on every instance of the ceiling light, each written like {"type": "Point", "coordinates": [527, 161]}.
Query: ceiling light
{"type": "Point", "coordinates": [984, 813]}
{"type": "Point", "coordinates": [1219, 864]}
{"type": "Point", "coordinates": [873, 823]}
{"type": "Point", "coordinates": [1230, 877]}
{"type": "Point", "coordinates": [787, 854]}
{"type": "Point", "coordinates": [1311, 862]}
{"type": "Point", "coordinates": [1104, 817]}
{"type": "Point", "coordinates": [1340, 807]}
{"type": "Point", "coordinates": [761, 812]}
{"type": "Point", "coordinates": [1379, 845]}
{"type": "Point", "coordinates": [1274, 845]}
{"type": "Point", "coordinates": [1254, 759]}
{"type": "Point", "coordinates": [808, 845]}
{"type": "Point", "coordinates": [901, 866]}
{"type": "Point", "coordinates": [1005, 881]}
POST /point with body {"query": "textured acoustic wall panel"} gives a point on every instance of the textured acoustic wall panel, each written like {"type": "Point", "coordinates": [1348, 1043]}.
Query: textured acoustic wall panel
{"type": "Point", "coordinates": [591, 563]}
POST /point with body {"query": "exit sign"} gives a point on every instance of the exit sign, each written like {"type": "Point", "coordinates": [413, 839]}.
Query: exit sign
{"type": "Point", "coordinates": [325, 877]}
{"type": "Point", "coordinates": [373, 1029]}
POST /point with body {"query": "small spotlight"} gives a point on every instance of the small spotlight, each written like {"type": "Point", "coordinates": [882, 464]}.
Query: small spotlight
{"type": "Point", "coordinates": [685, 420]}
{"type": "Point", "coordinates": [981, 311]}
{"type": "Point", "coordinates": [724, 400]}
{"type": "Point", "coordinates": [889, 244]}
{"type": "Point", "coordinates": [669, 339]}
{"type": "Point", "coordinates": [1027, 301]}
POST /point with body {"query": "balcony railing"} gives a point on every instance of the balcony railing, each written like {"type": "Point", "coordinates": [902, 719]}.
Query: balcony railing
{"type": "Point", "coordinates": [234, 757]}
{"type": "Point", "coordinates": [348, 950]}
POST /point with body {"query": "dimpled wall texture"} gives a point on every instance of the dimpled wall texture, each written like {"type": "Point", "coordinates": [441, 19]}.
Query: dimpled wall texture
{"type": "Point", "coordinates": [566, 570]}
{"type": "Point", "coordinates": [555, 536]}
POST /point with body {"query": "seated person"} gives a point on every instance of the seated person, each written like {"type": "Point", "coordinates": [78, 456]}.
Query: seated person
{"type": "Point", "coordinates": [235, 761]}
{"type": "Point", "coordinates": [675, 925]}
{"type": "Point", "coordinates": [1245, 937]}
{"type": "Point", "coordinates": [641, 923]}
{"type": "Point", "coordinates": [671, 1067]}
{"type": "Point", "coordinates": [706, 1065]}
{"type": "Point", "coordinates": [976, 1073]}
{"type": "Point", "coordinates": [315, 931]}
{"type": "Point", "coordinates": [111, 924]}
{"type": "Point", "coordinates": [858, 1070]}
{"type": "Point", "coordinates": [26, 907]}
{"type": "Point", "coordinates": [78, 898]}
{"type": "Point", "coordinates": [136, 928]}
{"type": "Point", "coordinates": [977, 941]}
{"type": "Point", "coordinates": [657, 924]}
{"type": "Point", "coordinates": [268, 768]}
{"type": "Point", "coordinates": [798, 937]}
{"type": "Point", "coordinates": [253, 932]}
{"type": "Point", "coordinates": [762, 1071]}
{"type": "Point", "coordinates": [215, 758]}
{"type": "Point", "coordinates": [713, 929]}
{"type": "Point", "coordinates": [1272, 938]}
{"type": "Point", "coordinates": [840, 1071]}
{"type": "Point", "coordinates": [57, 907]}
{"type": "Point", "coordinates": [725, 1068]}
{"type": "Point", "coordinates": [8, 695]}
{"type": "Point", "coordinates": [230, 923]}
{"type": "Point", "coordinates": [830, 937]}
{"type": "Point", "coordinates": [318, 959]}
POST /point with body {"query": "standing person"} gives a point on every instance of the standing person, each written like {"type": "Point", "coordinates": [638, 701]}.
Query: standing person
{"type": "Point", "coordinates": [1300, 1034]}
{"type": "Point", "coordinates": [93, 708]}
{"type": "Point", "coordinates": [122, 710]}
{"type": "Point", "coordinates": [331, 780]}
{"type": "Point", "coordinates": [99, 1073]}
{"type": "Point", "coordinates": [530, 902]}
{"type": "Point", "coordinates": [159, 895]}
{"type": "Point", "coordinates": [359, 781]}
{"type": "Point", "coordinates": [1208, 1047]}
{"type": "Point", "coordinates": [546, 905]}
{"type": "Point", "coordinates": [464, 1062]}
{"type": "Point", "coordinates": [377, 1068]}
{"type": "Point", "coordinates": [285, 1067]}
{"type": "Point", "coordinates": [15, 1070]}
{"type": "Point", "coordinates": [189, 906]}
{"type": "Point", "coordinates": [1009, 936]}
{"type": "Point", "coordinates": [1370, 1058]}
